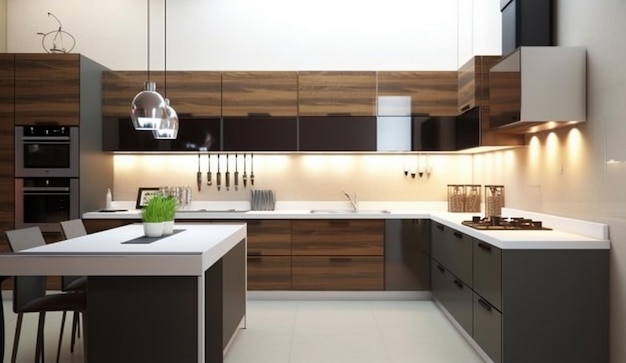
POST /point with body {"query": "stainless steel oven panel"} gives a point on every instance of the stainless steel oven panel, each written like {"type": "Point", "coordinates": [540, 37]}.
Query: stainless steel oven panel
{"type": "Point", "coordinates": [72, 142]}
{"type": "Point", "coordinates": [50, 225]}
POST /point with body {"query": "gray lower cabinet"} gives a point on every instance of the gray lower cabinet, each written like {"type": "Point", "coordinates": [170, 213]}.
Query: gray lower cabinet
{"type": "Point", "coordinates": [453, 249]}
{"type": "Point", "coordinates": [525, 305]}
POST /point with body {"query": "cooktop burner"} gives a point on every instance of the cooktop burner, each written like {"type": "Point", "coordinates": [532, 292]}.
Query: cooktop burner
{"type": "Point", "coordinates": [502, 223]}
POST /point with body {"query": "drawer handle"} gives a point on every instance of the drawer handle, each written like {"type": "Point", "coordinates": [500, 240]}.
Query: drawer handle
{"type": "Point", "coordinates": [340, 259]}
{"type": "Point", "coordinates": [440, 227]}
{"type": "Point", "coordinates": [484, 304]}
{"type": "Point", "coordinates": [254, 253]}
{"type": "Point", "coordinates": [255, 259]}
{"type": "Point", "coordinates": [440, 268]}
{"type": "Point", "coordinates": [458, 234]}
{"type": "Point", "coordinates": [465, 108]}
{"type": "Point", "coordinates": [339, 222]}
{"type": "Point", "coordinates": [484, 246]}
{"type": "Point", "coordinates": [458, 284]}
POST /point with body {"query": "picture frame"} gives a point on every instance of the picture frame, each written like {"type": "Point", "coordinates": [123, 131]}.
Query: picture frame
{"type": "Point", "coordinates": [143, 196]}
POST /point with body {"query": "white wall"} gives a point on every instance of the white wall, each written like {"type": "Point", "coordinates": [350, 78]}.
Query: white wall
{"type": "Point", "coordinates": [250, 34]}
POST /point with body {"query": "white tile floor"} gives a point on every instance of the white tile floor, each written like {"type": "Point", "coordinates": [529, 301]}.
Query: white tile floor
{"type": "Point", "coordinates": [308, 332]}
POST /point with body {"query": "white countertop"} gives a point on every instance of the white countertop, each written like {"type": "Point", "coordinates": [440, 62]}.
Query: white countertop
{"type": "Point", "coordinates": [189, 252]}
{"type": "Point", "coordinates": [565, 233]}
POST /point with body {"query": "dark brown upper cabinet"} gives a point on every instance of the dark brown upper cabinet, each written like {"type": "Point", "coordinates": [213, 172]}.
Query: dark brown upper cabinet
{"type": "Point", "coordinates": [191, 93]}
{"type": "Point", "coordinates": [47, 89]}
{"type": "Point", "coordinates": [259, 93]}
{"type": "Point", "coordinates": [336, 93]}
{"type": "Point", "coordinates": [432, 93]}
{"type": "Point", "coordinates": [7, 153]}
{"type": "Point", "coordinates": [473, 80]}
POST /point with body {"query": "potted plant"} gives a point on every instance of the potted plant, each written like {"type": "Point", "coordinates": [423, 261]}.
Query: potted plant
{"type": "Point", "coordinates": [170, 204]}
{"type": "Point", "coordinates": [154, 214]}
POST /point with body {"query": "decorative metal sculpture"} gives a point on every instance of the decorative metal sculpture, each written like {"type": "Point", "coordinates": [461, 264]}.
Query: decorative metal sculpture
{"type": "Point", "coordinates": [57, 41]}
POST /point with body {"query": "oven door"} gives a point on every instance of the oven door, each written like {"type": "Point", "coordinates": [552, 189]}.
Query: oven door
{"type": "Point", "coordinates": [42, 151]}
{"type": "Point", "coordinates": [44, 202]}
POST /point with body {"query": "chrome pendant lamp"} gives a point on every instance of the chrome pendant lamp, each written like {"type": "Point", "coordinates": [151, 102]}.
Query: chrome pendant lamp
{"type": "Point", "coordinates": [168, 127]}
{"type": "Point", "coordinates": [148, 106]}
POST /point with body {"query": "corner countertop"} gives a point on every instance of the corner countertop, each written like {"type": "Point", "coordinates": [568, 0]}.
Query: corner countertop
{"type": "Point", "coordinates": [565, 233]}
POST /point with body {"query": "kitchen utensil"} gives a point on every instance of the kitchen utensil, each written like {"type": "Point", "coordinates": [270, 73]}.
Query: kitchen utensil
{"type": "Point", "coordinates": [245, 176]}
{"type": "Point", "coordinates": [209, 182]}
{"type": "Point", "coordinates": [219, 174]}
{"type": "Point", "coordinates": [199, 175]}
{"type": "Point", "coordinates": [227, 175]}
{"type": "Point", "coordinates": [251, 169]}
{"type": "Point", "coordinates": [236, 173]}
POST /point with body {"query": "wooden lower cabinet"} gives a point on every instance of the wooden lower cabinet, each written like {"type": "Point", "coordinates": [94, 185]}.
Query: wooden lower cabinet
{"type": "Point", "coordinates": [269, 272]}
{"type": "Point", "coordinates": [338, 273]}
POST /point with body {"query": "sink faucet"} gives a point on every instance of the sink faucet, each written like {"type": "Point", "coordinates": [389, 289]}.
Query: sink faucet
{"type": "Point", "coordinates": [354, 201]}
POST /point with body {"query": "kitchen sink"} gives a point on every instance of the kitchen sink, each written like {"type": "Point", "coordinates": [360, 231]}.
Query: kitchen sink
{"type": "Point", "coordinates": [348, 211]}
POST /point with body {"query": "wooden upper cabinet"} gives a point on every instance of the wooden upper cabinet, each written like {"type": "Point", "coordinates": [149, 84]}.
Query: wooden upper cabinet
{"type": "Point", "coordinates": [260, 93]}
{"type": "Point", "coordinates": [194, 93]}
{"type": "Point", "coordinates": [7, 88]}
{"type": "Point", "coordinates": [7, 136]}
{"type": "Point", "coordinates": [336, 93]}
{"type": "Point", "coordinates": [120, 87]}
{"type": "Point", "coordinates": [473, 80]}
{"type": "Point", "coordinates": [433, 93]}
{"type": "Point", "coordinates": [47, 89]}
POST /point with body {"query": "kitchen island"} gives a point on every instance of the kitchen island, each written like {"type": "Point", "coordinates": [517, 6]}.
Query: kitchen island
{"type": "Point", "coordinates": [152, 300]}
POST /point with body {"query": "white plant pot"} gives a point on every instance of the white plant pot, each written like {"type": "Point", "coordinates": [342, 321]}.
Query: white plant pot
{"type": "Point", "coordinates": [153, 229]}
{"type": "Point", "coordinates": [168, 227]}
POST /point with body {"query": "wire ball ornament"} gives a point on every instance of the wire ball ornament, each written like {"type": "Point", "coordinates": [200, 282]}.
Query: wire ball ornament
{"type": "Point", "coordinates": [57, 41]}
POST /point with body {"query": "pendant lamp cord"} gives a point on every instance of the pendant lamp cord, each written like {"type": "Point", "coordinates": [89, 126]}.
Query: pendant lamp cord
{"type": "Point", "coordinates": [165, 47]}
{"type": "Point", "coordinates": [148, 38]}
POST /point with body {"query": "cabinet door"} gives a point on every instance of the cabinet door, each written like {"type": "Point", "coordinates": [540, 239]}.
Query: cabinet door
{"type": "Point", "coordinates": [431, 93]}
{"type": "Point", "coordinates": [453, 250]}
{"type": "Point", "coordinates": [193, 93]}
{"type": "Point", "coordinates": [336, 93]}
{"type": "Point", "coordinates": [269, 237]}
{"type": "Point", "coordinates": [120, 87]}
{"type": "Point", "coordinates": [337, 273]}
{"type": "Point", "coordinates": [473, 82]}
{"type": "Point", "coordinates": [332, 237]}
{"type": "Point", "coordinates": [488, 328]}
{"type": "Point", "coordinates": [7, 153]}
{"type": "Point", "coordinates": [337, 133]}
{"type": "Point", "coordinates": [488, 272]}
{"type": "Point", "coordinates": [460, 301]}
{"type": "Point", "coordinates": [269, 272]}
{"type": "Point", "coordinates": [260, 134]}
{"type": "Point", "coordinates": [260, 93]}
{"type": "Point", "coordinates": [47, 89]}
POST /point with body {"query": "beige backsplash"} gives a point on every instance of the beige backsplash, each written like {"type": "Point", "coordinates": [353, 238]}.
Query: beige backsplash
{"type": "Point", "coordinates": [323, 177]}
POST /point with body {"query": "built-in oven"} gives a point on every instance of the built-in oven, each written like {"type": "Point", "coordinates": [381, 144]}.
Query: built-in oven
{"type": "Point", "coordinates": [44, 202]}
{"type": "Point", "coordinates": [46, 151]}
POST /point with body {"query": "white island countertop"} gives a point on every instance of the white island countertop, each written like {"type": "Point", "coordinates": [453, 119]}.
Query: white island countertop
{"type": "Point", "coordinates": [564, 233]}
{"type": "Point", "coordinates": [187, 253]}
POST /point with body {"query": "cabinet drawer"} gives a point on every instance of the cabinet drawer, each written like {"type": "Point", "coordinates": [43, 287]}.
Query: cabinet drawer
{"type": "Point", "coordinates": [338, 237]}
{"type": "Point", "coordinates": [488, 328]}
{"type": "Point", "coordinates": [459, 301]}
{"type": "Point", "coordinates": [337, 273]}
{"type": "Point", "coordinates": [269, 237]}
{"type": "Point", "coordinates": [269, 273]}
{"type": "Point", "coordinates": [438, 282]}
{"type": "Point", "coordinates": [453, 250]}
{"type": "Point", "coordinates": [488, 272]}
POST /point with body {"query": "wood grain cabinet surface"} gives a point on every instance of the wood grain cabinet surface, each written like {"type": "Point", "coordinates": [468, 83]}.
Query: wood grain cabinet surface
{"type": "Point", "coordinates": [473, 82]}
{"type": "Point", "coordinates": [336, 93]}
{"type": "Point", "coordinates": [260, 93]}
{"type": "Point", "coordinates": [338, 255]}
{"type": "Point", "coordinates": [191, 93]}
{"type": "Point", "coordinates": [433, 93]}
{"type": "Point", "coordinates": [7, 117]}
{"type": "Point", "coordinates": [269, 254]}
{"type": "Point", "coordinates": [47, 89]}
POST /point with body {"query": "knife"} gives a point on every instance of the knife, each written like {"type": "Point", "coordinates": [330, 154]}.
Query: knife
{"type": "Point", "coordinates": [219, 174]}
{"type": "Point", "coordinates": [199, 175]}
{"type": "Point", "coordinates": [245, 176]}
{"type": "Point", "coordinates": [236, 173]}
{"type": "Point", "coordinates": [227, 175]}
{"type": "Point", "coordinates": [209, 180]}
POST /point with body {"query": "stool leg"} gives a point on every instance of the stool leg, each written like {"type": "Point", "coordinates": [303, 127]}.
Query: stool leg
{"type": "Point", "coordinates": [16, 339]}
{"type": "Point", "coordinates": [39, 350]}
{"type": "Point", "coordinates": [61, 335]}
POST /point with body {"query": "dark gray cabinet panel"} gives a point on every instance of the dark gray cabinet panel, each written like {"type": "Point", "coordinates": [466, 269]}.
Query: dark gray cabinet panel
{"type": "Point", "coordinates": [407, 258]}
{"type": "Point", "coordinates": [455, 296]}
{"type": "Point", "coordinates": [453, 249]}
{"type": "Point", "coordinates": [260, 134]}
{"type": "Point", "coordinates": [488, 328]}
{"type": "Point", "coordinates": [337, 133]}
{"type": "Point", "coordinates": [488, 272]}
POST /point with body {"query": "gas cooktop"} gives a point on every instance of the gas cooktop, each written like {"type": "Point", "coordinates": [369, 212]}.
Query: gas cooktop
{"type": "Point", "coordinates": [507, 224]}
